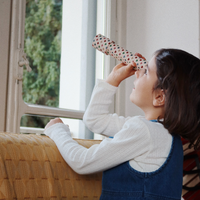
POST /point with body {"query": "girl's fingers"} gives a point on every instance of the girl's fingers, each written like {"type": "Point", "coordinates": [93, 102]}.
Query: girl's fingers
{"type": "Point", "coordinates": [120, 65]}
{"type": "Point", "coordinates": [53, 121]}
{"type": "Point", "coordinates": [131, 68]}
{"type": "Point", "coordinates": [139, 55]}
{"type": "Point", "coordinates": [134, 64]}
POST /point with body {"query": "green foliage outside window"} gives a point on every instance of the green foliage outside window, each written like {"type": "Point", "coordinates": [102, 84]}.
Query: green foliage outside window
{"type": "Point", "coordinates": [43, 48]}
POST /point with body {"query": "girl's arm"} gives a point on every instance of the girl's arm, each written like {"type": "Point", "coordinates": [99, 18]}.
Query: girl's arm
{"type": "Point", "coordinates": [131, 141]}
{"type": "Point", "coordinates": [97, 117]}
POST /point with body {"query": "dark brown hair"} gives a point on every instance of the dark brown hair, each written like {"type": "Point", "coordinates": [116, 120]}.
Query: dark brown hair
{"type": "Point", "coordinates": [178, 75]}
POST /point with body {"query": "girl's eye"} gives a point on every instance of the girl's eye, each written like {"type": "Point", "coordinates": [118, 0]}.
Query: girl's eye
{"type": "Point", "coordinates": [145, 71]}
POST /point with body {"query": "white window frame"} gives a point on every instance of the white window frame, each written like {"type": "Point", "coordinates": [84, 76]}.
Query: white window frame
{"type": "Point", "coordinates": [5, 7]}
{"type": "Point", "coordinates": [113, 26]}
{"type": "Point", "coordinates": [16, 107]}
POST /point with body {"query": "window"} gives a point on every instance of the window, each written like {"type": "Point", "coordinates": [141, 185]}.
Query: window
{"type": "Point", "coordinates": [16, 107]}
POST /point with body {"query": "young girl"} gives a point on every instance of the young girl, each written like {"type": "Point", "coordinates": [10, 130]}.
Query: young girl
{"type": "Point", "coordinates": [144, 159]}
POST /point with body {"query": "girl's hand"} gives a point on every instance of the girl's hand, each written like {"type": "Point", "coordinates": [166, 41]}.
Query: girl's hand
{"type": "Point", "coordinates": [52, 122]}
{"type": "Point", "coordinates": [120, 72]}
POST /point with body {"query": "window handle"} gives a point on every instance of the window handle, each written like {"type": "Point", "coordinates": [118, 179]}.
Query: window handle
{"type": "Point", "coordinates": [24, 62]}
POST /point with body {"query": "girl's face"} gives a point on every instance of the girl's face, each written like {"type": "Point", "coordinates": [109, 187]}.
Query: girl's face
{"type": "Point", "coordinates": [142, 93]}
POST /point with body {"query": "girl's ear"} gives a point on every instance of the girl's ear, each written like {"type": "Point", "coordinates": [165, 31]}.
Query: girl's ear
{"type": "Point", "coordinates": [158, 98]}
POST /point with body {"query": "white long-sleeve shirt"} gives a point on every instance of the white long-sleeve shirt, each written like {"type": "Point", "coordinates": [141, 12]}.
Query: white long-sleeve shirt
{"type": "Point", "coordinates": [143, 143]}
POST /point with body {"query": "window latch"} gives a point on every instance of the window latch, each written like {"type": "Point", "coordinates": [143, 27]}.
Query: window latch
{"type": "Point", "coordinates": [24, 62]}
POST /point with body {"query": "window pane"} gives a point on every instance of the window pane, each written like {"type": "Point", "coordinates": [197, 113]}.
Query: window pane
{"type": "Point", "coordinates": [58, 44]}
{"type": "Point", "coordinates": [34, 121]}
{"type": "Point", "coordinates": [60, 77]}
{"type": "Point", "coordinates": [77, 127]}
{"type": "Point", "coordinates": [43, 48]}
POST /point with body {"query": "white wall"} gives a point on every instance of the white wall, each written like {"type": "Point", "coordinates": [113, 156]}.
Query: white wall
{"type": "Point", "coordinates": [155, 24]}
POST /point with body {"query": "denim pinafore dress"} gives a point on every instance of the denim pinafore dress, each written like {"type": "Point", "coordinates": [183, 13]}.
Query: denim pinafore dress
{"type": "Point", "coordinates": [125, 183]}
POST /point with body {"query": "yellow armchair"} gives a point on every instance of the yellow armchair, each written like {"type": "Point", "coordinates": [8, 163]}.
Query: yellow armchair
{"type": "Point", "coordinates": [31, 167]}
